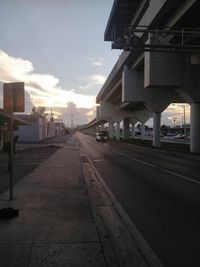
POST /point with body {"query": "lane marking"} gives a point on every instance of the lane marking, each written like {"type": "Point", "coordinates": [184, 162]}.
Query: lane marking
{"type": "Point", "coordinates": [97, 160]}
{"type": "Point", "coordinates": [182, 176]}
{"type": "Point", "coordinates": [154, 166]}
{"type": "Point", "coordinates": [137, 160]}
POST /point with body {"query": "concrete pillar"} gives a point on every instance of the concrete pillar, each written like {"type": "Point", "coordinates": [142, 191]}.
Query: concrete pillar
{"type": "Point", "coordinates": [142, 130]}
{"type": "Point", "coordinates": [126, 123]}
{"type": "Point", "coordinates": [132, 130]}
{"type": "Point", "coordinates": [102, 127]}
{"type": "Point", "coordinates": [92, 130]}
{"type": "Point", "coordinates": [156, 129]}
{"type": "Point", "coordinates": [117, 130]}
{"type": "Point", "coordinates": [110, 130]}
{"type": "Point", "coordinates": [195, 128]}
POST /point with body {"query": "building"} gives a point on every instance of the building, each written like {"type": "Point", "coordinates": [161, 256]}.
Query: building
{"type": "Point", "coordinates": [35, 132]}
{"type": "Point", "coordinates": [39, 129]}
{"type": "Point", "coordinates": [4, 126]}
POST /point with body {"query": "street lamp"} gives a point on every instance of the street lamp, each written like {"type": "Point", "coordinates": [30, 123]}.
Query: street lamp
{"type": "Point", "coordinates": [174, 120]}
{"type": "Point", "coordinates": [72, 121]}
{"type": "Point", "coordinates": [184, 120]}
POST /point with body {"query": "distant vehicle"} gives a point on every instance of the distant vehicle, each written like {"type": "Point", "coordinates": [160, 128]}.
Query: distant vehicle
{"type": "Point", "coordinates": [101, 137]}
{"type": "Point", "coordinates": [179, 136]}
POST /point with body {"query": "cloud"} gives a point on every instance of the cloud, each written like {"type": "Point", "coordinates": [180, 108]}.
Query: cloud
{"type": "Point", "coordinates": [175, 113]}
{"type": "Point", "coordinates": [42, 88]}
{"type": "Point", "coordinates": [98, 79]}
{"type": "Point", "coordinates": [92, 84]}
{"type": "Point", "coordinates": [12, 69]}
{"type": "Point", "coordinates": [80, 115]}
{"type": "Point", "coordinates": [91, 114]}
{"type": "Point", "coordinates": [97, 61]}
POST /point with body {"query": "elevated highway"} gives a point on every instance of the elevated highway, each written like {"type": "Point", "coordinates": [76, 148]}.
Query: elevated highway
{"type": "Point", "coordinates": [159, 65]}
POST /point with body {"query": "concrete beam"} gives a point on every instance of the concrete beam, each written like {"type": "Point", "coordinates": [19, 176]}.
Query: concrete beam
{"type": "Point", "coordinates": [109, 110]}
{"type": "Point", "coordinates": [162, 69]}
{"type": "Point", "coordinates": [156, 99]}
{"type": "Point", "coordinates": [190, 79]}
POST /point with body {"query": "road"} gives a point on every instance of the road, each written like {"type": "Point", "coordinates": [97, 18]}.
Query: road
{"type": "Point", "coordinates": [160, 193]}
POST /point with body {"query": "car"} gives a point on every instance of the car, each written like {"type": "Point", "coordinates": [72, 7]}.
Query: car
{"type": "Point", "coordinates": [101, 137]}
{"type": "Point", "coordinates": [179, 136]}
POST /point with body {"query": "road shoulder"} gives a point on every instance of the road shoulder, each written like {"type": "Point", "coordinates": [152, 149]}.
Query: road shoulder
{"type": "Point", "coordinates": [122, 243]}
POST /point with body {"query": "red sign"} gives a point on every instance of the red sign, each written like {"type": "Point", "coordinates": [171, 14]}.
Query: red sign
{"type": "Point", "coordinates": [13, 95]}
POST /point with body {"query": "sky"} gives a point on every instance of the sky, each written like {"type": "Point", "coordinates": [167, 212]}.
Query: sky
{"type": "Point", "coordinates": [57, 48]}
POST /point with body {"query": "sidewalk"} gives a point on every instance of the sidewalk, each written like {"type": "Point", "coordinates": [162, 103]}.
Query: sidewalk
{"type": "Point", "coordinates": [65, 218]}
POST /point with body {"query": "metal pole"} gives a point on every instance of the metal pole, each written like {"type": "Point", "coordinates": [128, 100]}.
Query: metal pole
{"type": "Point", "coordinates": [72, 124]}
{"type": "Point", "coordinates": [174, 119]}
{"type": "Point", "coordinates": [184, 119]}
{"type": "Point", "coordinates": [11, 157]}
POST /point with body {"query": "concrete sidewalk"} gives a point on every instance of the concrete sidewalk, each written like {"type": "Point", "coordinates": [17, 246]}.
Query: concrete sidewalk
{"type": "Point", "coordinates": [65, 218]}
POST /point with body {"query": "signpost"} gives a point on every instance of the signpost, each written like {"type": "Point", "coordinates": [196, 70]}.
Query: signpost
{"type": "Point", "coordinates": [13, 101]}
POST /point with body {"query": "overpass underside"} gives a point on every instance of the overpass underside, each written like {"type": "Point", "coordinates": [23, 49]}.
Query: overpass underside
{"type": "Point", "coordinates": [160, 65]}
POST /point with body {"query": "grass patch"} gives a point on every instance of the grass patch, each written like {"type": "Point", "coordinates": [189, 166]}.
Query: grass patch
{"type": "Point", "coordinates": [176, 147]}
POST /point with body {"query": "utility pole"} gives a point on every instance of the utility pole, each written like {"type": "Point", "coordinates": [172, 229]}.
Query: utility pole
{"type": "Point", "coordinates": [184, 121]}
{"type": "Point", "coordinates": [174, 120]}
{"type": "Point", "coordinates": [72, 122]}
{"type": "Point", "coordinates": [13, 101]}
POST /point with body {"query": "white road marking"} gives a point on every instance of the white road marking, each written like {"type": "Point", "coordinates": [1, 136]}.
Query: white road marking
{"type": "Point", "coordinates": [154, 166]}
{"type": "Point", "coordinates": [137, 160]}
{"type": "Point", "coordinates": [182, 176]}
{"type": "Point", "coordinates": [97, 160]}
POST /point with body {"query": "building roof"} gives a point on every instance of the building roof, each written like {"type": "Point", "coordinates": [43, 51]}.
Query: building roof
{"type": "Point", "coordinates": [5, 118]}
{"type": "Point", "coordinates": [28, 117]}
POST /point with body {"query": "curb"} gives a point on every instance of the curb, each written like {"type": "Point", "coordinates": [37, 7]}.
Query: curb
{"type": "Point", "coordinates": [143, 246]}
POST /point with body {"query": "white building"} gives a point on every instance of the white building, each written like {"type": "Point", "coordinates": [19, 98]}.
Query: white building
{"type": "Point", "coordinates": [4, 126]}
{"type": "Point", "coordinates": [39, 130]}
{"type": "Point", "coordinates": [36, 132]}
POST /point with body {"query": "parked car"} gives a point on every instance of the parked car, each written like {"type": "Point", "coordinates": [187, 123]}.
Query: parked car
{"type": "Point", "coordinates": [101, 137]}
{"type": "Point", "coordinates": [179, 136]}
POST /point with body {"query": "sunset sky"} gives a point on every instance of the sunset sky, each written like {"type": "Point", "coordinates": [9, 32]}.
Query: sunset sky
{"type": "Point", "coordinates": [57, 48]}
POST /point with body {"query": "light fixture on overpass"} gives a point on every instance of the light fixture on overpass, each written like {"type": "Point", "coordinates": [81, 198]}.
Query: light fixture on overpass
{"type": "Point", "coordinates": [162, 39]}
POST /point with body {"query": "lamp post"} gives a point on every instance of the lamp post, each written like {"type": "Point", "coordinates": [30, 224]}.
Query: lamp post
{"type": "Point", "coordinates": [174, 120]}
{"type": "Point", "coordinates": [72, 121]}
{"type": "Point", "coordinates": [184, 121]}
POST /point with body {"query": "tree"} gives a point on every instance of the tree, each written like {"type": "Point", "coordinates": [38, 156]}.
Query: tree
{"type": "Point", "coordinates": [39, 111]}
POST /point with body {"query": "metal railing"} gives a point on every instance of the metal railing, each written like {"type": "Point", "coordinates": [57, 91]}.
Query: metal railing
{"type": "Point", "coordinates": [158, 39]}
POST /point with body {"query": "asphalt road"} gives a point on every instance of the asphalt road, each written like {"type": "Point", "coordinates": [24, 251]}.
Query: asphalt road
{"type": "Point", "coordinates": [160, 193]}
